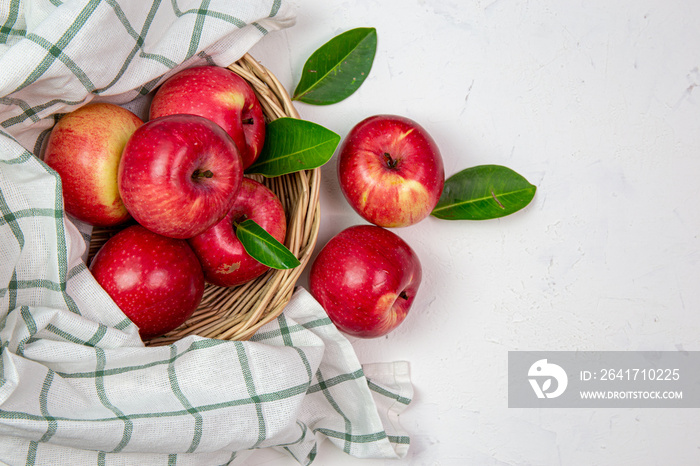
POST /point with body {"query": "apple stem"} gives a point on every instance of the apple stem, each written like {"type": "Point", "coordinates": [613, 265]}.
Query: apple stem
{"type": "Point", "coordinates": [390, 162]}
{"type": "Point", "coordinates": [202, 174]}
{"type": "Point", "coordinates": [248, 121]}
{"type": "Point", "coordinates": [403, 295]}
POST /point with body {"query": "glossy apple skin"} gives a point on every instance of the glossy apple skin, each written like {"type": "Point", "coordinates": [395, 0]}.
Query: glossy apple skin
{"type": "Point", "coordinates": [224, 259]}
{"type": "Point", "coordinates": [155, 280]}
{"type": "Point", "coordinates": [84, 148]}
{"type": "Point", "coordinates": [164, 175]}
{"type": "Point", "coordinates": [390, 170]}
{"type": "Point", "coordinates": [220, 95]}
{"type": "Point", "coordinates": [366, 278]}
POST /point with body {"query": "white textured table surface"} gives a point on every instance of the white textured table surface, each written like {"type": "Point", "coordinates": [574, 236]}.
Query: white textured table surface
{"type": "Point", "coordinates": [598, 104]}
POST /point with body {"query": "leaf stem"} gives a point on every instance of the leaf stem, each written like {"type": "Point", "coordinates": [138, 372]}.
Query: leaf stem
{"type": "Point", "coordinates": [238, 220]}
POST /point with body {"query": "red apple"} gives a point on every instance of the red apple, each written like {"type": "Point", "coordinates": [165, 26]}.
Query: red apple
{"type": "Point", "coordinates": [155, 280]}
{"type": "Point", "coordinates": [222, 255]}
{"type": "Point", "coordinates": [84, 148]}
{"type": "Point", "coordinates": [179, 175]}
{"type": "Point", "coordinates": [390, 171]}
{"type": "Point", "coordinates": [366, 278]}
{"type": "Point", "coordinates": [220, 95]}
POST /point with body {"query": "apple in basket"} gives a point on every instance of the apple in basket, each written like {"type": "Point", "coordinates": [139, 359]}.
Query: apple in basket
{"type": "Point", "coordinates": [220, 95]}
{"type": "Point", "coordinates": [224, 259]}
{"type": "Point", "coordinates": [366, 278]}
{"type": "Point", "coordinates": [179, 175]}
{"type": "Point", "coordinates": [390, 171]}
{"type": "Point", "coordinates": [155, 280]}
{"type": "Point", "coordinates": [84, 148]}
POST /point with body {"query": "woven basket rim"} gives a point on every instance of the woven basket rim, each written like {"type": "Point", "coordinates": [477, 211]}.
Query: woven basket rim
{"type": "Point", "coordinates": [236, 313]}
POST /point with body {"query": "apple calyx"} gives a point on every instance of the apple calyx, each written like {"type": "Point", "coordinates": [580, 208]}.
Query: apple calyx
{"type": "Point", "coordinates": [248, 121]}
{"type": "Point", "coordinates": [403, 295]}
{"type": "Point", "coordinates": [198, 174]}
{"type": "Point", "coordinates": [391, 162]}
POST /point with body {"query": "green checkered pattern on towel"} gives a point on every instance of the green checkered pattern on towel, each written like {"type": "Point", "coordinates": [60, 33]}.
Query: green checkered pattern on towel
{"type": "Point", "coordinates": [77, 385]}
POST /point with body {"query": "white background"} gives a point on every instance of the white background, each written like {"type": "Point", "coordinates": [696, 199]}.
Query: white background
{"type": "Point", "coordinates": [597, 104]}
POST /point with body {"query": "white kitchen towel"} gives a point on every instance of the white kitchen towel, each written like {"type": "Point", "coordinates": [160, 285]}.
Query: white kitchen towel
{"type": "Point", "coordinates": [77, 385]}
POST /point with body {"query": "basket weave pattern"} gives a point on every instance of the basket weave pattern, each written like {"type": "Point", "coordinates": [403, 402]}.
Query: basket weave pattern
{"type": "Point", "coordinates": [236, 313]}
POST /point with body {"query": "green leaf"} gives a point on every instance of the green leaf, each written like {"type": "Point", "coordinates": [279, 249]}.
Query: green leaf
{"type": "Point", "coordinates": [292, 145]}
{"type": "Point", "coordinates": [263, 247]}
{"type": "Point", "coordinates": [338, 68]}
{"type": "Point", "coordinates": [483, 192]}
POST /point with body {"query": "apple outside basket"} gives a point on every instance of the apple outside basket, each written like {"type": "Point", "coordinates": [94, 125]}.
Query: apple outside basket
{"type": "Point", "coordinates": [236, 313]}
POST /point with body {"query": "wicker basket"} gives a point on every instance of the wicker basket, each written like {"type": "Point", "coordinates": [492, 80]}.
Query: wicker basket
{"type": "Point", "coordinates": [236, 313]}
